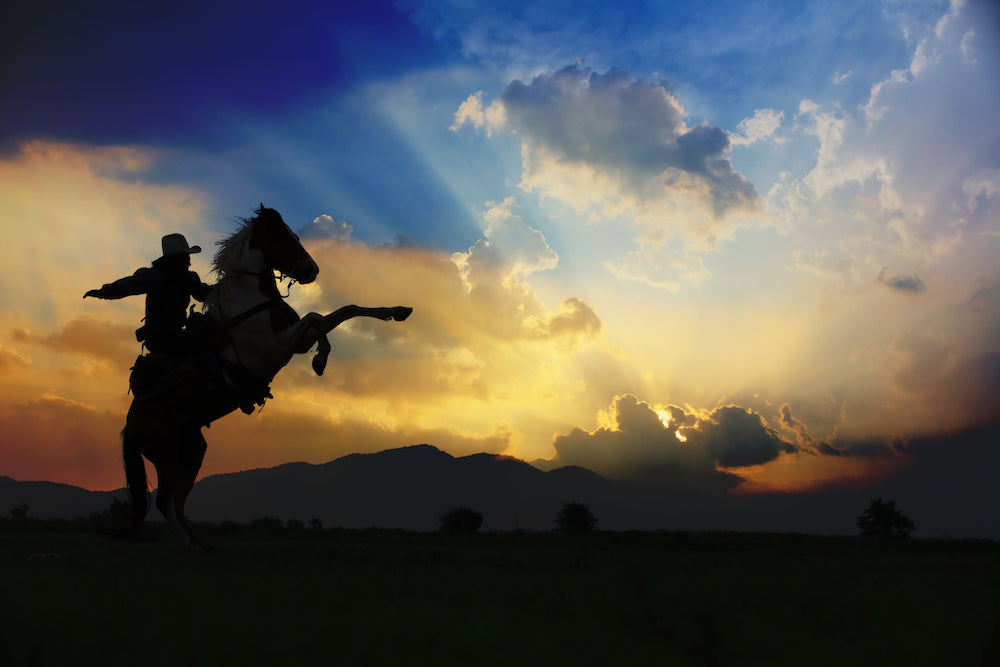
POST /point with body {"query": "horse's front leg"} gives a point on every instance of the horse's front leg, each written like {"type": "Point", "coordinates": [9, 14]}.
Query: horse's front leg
{"type": "Point", "coordinates": [322, 354]}
{"type": "Point", "coordinates": [341, 315]}
{"type": "Point", "coordinates": [306, 333]}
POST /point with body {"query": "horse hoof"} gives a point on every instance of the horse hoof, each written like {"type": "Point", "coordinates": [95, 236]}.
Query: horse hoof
{"type": "Point", "coordinates": [401, 313]}
{"type": "Point", "coordinates": [319, 364]}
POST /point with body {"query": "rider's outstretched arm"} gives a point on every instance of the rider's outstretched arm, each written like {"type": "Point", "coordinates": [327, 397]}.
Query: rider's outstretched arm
{"type": "Point", "coordinates": [138, 283]}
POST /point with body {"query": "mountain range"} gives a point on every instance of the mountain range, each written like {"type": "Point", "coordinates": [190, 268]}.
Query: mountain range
{"type": "Point", "coordinates": [411, 487]}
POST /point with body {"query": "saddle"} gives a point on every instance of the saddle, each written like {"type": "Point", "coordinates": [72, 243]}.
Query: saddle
{"type": "Point", "coordinates": [155, 373]}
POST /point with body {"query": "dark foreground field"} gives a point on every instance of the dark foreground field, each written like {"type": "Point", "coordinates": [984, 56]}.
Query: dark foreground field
{"type": "Point", "coordinates": [341, 597]}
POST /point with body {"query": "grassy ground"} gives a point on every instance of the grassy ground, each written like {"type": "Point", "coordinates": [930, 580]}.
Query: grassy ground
{"type": "Point", "coordinates": [391, 597]}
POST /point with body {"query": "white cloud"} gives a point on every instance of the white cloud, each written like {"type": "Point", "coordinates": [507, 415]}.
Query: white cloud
{"type": "Point", "coordinates": [660, 267]}
{"type": "Point", "coordinates": [903, 180]}
{"type": "Point", "coordinates": [612, 147]}
{"type": "Point", "coordinates": [508, 251]}
{"type": "Point", "coordinates": [470, 112]}
{"type": "Point", "coordinates": [325, 227]}
{"type": "Point", "coordinates": [758, 127]}
{"type": "Point", "coordinates": [839, 78]}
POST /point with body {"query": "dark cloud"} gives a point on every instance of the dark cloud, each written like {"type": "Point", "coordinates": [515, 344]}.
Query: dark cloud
{"type": "Point", "coordinates": [794, 425]}
{"type": "Point", "coordinates": [802, 436]}
{"type": "Point", "coordinates": [633, 129]}
{"type": "Point", "coordinates": [737, 437]}
{"type": "Point", "coordinates": [689, 448]}
{"type": "Point", "coordinates": [573, 319]}
{"type": "Point", "coordinates": [911, 284]}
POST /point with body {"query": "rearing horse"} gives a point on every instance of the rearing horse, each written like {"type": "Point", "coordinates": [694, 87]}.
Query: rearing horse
{"type": "Point", "coordinates": [261, 332]}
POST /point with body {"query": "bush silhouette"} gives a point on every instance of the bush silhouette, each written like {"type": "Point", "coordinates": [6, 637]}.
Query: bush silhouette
{"type": "Point", "coordinates": [575, 518]}
{"type": "Point", "coordinates": [117, 512]}
{"type": "Point", "coordinates": [19, 512]}
{"type": "Point", "coordinates": [460, 520]}
{"type": "Point", "coordinates": [266, 523]}
{"type": "Point", "coordinates": [883, 520]}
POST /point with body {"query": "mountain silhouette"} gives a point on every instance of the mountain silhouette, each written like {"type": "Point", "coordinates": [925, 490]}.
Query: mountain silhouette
{"type": "Point", "coordinates": [410, 487]}
{"type": "Point", "coordinates": [50, 500]}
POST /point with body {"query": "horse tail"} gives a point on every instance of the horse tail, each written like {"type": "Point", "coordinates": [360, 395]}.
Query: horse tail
{"type": "Point", "coordinates": [135, 481]}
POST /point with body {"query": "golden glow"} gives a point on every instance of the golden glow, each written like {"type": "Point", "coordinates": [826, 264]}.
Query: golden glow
{"type": "Point", "coordinates": [803, 472]}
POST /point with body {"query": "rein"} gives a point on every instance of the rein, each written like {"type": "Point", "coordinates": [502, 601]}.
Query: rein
{"type": "Point", "coordinates": [236, 320]}
{"type": "Point", "coordinates": [229, 323]}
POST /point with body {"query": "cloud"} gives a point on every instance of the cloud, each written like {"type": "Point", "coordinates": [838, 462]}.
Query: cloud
{"type": "Point", "coordinates": [758, 127]}
{"type": "Point", "coordinates": [840, 78]}
{"type": "Point", "coordinates": [481, 352]}
{"type": "Point", "coordinates": [640, 441]}
{"type": "Point", "coordinates": [82, 216]}
{"type": "Point", "coordinates": [325, 227]}
{"type": "Point", "coordinates": [11, 359]}
{"type": "Point", "coordinates": [509, 250]}
{"type": "Point", "coordinates": [908, 176]}
{"type": "Point", "coordinates": [57, 439]}
{"type": "Point", "coordinates": [471, 112]}
{"type": "Point", "coordinates": [911, 284]}
{"type": "Point", "coordinates": [610, 146]}
{"type": "Point", "coordinates": [660, 267]}
{"type": "Point", "coordinates": [573, 318]}
{"type": "Point", "coordinates": [85, 335]}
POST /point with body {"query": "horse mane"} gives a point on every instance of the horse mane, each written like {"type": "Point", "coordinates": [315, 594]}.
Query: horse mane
{"type": "Point", "coordinates": [227, 246]}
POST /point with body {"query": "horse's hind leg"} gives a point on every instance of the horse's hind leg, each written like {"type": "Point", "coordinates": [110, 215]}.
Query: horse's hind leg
{"type": "Point", "coordinates": [190, 457]}
{"type": "Point", "coordinates": [166, 478]}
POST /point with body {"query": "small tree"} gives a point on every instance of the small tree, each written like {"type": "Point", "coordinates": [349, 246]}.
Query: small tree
{"type": "Point", "coordinates": [460, 520]}
{"type": "Point", "coordinates": [575, 518]}
{"type": "Point", "coordinates": [316, 524]}
{"type": "Point", "coordinates": [882, 519]}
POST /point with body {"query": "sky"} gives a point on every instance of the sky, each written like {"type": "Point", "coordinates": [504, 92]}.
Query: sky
{"type": "Point", "coordinates": [744, 246]}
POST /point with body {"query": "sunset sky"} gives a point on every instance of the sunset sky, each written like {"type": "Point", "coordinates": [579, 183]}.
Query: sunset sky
{"type": "Point", "coordinates": [744, 244]}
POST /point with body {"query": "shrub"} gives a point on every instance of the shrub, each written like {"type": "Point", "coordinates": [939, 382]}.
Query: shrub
{"type": "Point", "coordinates": [117, 512]}
{"type": "Point", "coordinates": [575, 518]}
{"type": "Point", "coordinates": [267, 523]}
{"type": "Point", "coordinates": [460, 520]}
{"type": "Point", "coordinates": [19, 512]}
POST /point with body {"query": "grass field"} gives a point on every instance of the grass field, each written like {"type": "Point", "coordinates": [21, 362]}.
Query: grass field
{"type": "Point", "coordinates": [375, 597]}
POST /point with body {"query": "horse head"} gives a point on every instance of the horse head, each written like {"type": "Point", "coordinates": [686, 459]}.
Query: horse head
{"type": "Point", "coordinates": [281, 246]}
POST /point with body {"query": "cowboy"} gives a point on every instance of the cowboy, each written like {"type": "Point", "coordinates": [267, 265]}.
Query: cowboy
{"type": "Point", "coordinates": [168, 285]}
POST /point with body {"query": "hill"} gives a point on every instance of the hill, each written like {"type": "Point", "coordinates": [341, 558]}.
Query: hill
{"type": "Point", "coordinates": [410, 487]}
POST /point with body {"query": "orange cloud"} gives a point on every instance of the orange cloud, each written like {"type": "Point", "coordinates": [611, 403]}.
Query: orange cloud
{"type": "Point", "coordinates": [85, 335]}
{"type": "Point", "coordinates": [57, 439]}
{"type": "Point", "coordinates": [11, 359]}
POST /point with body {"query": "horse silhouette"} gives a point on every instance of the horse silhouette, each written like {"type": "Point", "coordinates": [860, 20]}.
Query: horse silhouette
{"type": "Point", "coordinates": [259, 334]}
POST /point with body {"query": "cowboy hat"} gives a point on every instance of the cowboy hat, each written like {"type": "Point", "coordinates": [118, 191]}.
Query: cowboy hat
{"type": "Point", "coordinates": [176, 244]}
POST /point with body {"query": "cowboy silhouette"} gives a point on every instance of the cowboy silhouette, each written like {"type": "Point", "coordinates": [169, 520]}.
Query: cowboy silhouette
{"type": "Point", "coordinates": [169, 284]}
